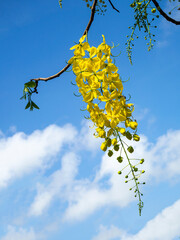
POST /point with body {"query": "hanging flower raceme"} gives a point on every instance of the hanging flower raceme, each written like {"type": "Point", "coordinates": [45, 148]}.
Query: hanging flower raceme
{"type": "Point", "coordinates": [102, 90]}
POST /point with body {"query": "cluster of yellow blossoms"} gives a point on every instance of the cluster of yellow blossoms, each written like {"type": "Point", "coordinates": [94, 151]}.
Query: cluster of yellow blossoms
{"type": "Point", "coordinates": [99, 83]}
{"type": "Point", "coordinates": [97, 79]}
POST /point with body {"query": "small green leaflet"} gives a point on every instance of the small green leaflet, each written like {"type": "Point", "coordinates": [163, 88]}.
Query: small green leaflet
{"type": "Point", "coordinates": [28, 105]}
{"type": "Point", "coordinates": [34, 105]}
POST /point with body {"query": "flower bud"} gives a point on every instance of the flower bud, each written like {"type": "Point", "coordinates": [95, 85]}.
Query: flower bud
{"type": "Point", "coordinates": [136, 137]}
{"type": "Point", "coordinates": [122, 131]}
{"type": "Point", "coordinates": [114, 141]}
{"type": "Point", "coordinates": [130, 149]}
{"type": "Point", "coordinates": [110, 153]}
{"type": "Point", "coordinates": [128, 135]}
{"type": "Point", "coordinates": [142, 160]}
{"type": "Point", "coordinates": [120, 159]}
{"type": "Point", "coordinates": [133, 125]}
{"type": "Point", "coordinates": [116, 147]}
{"type": "Point", "coordinates": [108, 142]}
{"type": "Point", "coordinates": [110, 132]}
{"type": "Point", "coordinates": [104, 146]}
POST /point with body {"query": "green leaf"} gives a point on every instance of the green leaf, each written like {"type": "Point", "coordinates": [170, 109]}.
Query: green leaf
{"type": "Point", "coordinates": [28, 105]}
{"type": "Point", "coordinates": [30, 84]}
{"type": "Point", "coordinates": [34, 105]}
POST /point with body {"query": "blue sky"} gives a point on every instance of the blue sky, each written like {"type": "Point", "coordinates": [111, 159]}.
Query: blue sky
{"type": "Point", "coordinates": [55, 182]}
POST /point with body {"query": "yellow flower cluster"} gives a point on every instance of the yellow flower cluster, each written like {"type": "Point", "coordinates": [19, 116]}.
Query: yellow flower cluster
{"type": "Point", "coordinates": [99, 82]}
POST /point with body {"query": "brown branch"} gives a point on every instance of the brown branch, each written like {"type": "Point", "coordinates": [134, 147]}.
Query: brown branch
{"type": "Point", "coordinates": [164, 14]}
{"type": "Point", "coordinates": [68, 65]}
{"type": "Point", "coordinates": [93, 8]}
{"type": "Point", "coordinates": [113, 6]}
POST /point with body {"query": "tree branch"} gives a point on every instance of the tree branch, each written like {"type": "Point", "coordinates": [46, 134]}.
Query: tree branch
{"type": "Point", "coordinates": [164, 14]}
{"type": "Point", "coordinates": [68, 65]}
{"type": "Point", "coordinates": [113, 6]}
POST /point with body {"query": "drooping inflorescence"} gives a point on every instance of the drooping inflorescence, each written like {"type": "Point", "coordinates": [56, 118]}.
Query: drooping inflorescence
{"type": "Point", "coordinates": [102, 90]}
{"type": "Point", "coordinates": [144, 15]}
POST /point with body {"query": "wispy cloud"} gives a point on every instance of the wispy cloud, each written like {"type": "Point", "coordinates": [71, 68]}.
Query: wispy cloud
{"type": "Point", "coordinates": [14, 233]}
{"type": "Point", "coordinates": [165, 225]}
{"type": "Point", "coordinates": [58, 180]}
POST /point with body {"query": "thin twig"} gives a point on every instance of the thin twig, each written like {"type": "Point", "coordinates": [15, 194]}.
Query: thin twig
{"type": "Point", "coordinates": [113, 6]}
{"type": "Point", "coordinates": [68, 65]}
{"type": "Point", "coordinates": [164, 14]}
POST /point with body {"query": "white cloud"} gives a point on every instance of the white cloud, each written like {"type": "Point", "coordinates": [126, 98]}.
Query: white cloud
{"type": "Point", "coordinates": [83, 195]}
{"type": "Point", "coordinates": [58, 180]}
{"type": "Point", "coordinates": [21, 154]}
{"type": "Point", "coordinates": [107, 188]}
{"type": "Point", "coordinates": [162, 162]}
{"type": "Point", "coordinates": [163, 157]}
{"type": "Point", "coordinates": [110, 233]}
{"type": "Point", "coordinates": [165, 225]}
{"type": "Point", "coordinates": [85, 139]}
{"type": "Point", "coordinates": [20, 234]}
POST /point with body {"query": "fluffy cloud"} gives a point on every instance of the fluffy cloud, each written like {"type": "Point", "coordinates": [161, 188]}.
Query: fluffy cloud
{"type": "Point", "coordinates": [162, 159]}
{"type": "Point", "coordinates": [88, 196]}
{"type": "Point", "coordinates": [58, 180]}
{"type": "Point", "coordinates": [21, 154]}
{"type": "Point", "coordinates": [165, 225]}
{"type": "Point", "coordinates": [162, 163]}
{"type": "Point", "coordinates": [107, 188]}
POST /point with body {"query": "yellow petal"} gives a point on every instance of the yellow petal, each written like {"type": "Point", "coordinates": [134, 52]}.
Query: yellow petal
{"type": "Point", "coordinates": [93, 51]}
{"type": "Point", "coordinates": [82, 38]}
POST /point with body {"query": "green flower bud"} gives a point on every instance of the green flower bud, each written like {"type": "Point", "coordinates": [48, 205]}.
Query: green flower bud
{"type": "Point", "coordinates": [130, 149]}
{"type": "Point", "coordinates": [128, 135]}
{"type": "Point", "coordinates": [108, 142]}
{"type": "Point", "coordinates": [116, 147]}
{"type": "Point", "coordinates": [142, 160]}
{"type": "Point", "coordinates": [120, 159]}
{"type": "Point", "coordinates": [110, 153]}
{"type": "Point", "coordinates": [119, 172]}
